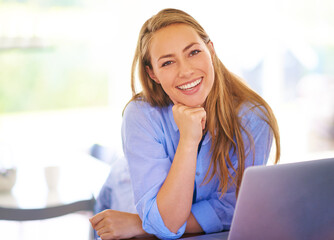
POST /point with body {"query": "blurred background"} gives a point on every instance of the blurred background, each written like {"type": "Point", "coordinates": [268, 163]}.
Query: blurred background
{"type": "Point", "coordinates": [65, 71]}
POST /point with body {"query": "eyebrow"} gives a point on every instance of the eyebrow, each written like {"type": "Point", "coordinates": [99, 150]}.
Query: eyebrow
{"type": "Point", "coordinates": [185, 49]}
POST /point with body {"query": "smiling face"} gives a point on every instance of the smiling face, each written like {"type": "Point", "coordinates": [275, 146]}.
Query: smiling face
{"type": "Point", "coordinates": [182, 64]}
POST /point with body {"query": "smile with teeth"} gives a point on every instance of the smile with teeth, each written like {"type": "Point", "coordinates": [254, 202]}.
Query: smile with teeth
{"type": "Point", "coordinates": [191, 85]}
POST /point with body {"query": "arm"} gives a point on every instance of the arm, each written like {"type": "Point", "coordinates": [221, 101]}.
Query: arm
{"type": "Point", "coordinates": [152, 146]}
{"type": "Point", "coordinates": [111, 224]}
{"type": "Point", "coordinates": [177, 190]}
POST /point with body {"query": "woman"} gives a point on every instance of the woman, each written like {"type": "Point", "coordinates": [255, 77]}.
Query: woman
{"type": "Point", "coordinates": [188, 136]}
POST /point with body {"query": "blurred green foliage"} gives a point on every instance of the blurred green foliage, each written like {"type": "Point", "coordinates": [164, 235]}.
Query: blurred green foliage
{"type": "Point", "coordinates": [67, 73]}
{"type": "Point", "coordinates": [57, 77]}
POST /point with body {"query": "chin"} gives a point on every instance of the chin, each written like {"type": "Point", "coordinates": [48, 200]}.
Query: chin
{"type": "Point", "coordinates": [194, 104]}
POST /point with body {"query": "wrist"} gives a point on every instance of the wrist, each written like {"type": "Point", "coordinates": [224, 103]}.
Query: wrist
{"type": "Point", "coordinates": [139, 228]}
{"type": "Point", "coordinates": [188, 144]}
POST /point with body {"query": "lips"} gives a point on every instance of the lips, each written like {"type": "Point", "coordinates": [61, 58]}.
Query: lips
{"type": "Point", "coordinates": [190, 85]}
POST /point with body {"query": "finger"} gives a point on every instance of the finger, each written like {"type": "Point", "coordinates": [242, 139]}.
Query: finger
{"type": "Point", "coordinates": [197, 111]}
{"type": "Point", "coordinates": [104, 233]}
{"type": "Point", "coordinates": [182, 108]}
{"type": "Point", "coordinates": [178, 106]}
{"type": "Point", "coordinates": [104, 227]}
{"type": "Point", "coordinates": [104, 223]}
{"type": "Point", "coordinates": [178, 109]}
{"type": "Point", "coordinates": [97, 218]}
{"type": "Point", "coordinates": [203, 122]}
{"type": "Point", "coordinates": [107, 236]}
{"type": "Point", "coordinates": [200, 114]}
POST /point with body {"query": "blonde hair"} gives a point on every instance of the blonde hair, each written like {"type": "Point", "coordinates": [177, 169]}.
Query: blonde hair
{"type": "Point", "coordinates": [222, 105]}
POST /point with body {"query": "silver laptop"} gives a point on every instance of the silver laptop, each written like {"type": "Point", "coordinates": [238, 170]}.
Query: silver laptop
{"type": "Point", "coordinates": [292, 201]}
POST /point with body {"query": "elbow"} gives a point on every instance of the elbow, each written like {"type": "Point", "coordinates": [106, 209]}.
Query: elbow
{"type": "Point", "coordinates": [163, 231]}
{"type": "Point", "coordinates": [174, 228]}
{"type": "Point", "coordinates": [163, 222]}
{"type": "Point", "coordinates": [174, 223]}
{"type": "Point", "coordinates": [173, 220]}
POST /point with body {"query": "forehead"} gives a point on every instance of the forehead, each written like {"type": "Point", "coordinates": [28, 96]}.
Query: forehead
{"type": "Point", "coordinates": [173, 38]}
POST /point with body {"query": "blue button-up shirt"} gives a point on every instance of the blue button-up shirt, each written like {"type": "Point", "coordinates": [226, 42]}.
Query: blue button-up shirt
{"type": "Point", "coordinates": [150, 139]}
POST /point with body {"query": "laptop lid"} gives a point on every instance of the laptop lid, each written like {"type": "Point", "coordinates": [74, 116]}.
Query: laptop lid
{"type": "Point", "coordinates": [286, 201]}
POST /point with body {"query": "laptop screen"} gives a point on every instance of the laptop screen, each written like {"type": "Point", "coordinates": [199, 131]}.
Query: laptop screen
{"type": "Point", "coordinates": [286, 201]}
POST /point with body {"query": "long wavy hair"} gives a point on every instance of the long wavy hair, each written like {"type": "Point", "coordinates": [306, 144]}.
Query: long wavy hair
{"type": "Point", "coordinates": [222, 105]}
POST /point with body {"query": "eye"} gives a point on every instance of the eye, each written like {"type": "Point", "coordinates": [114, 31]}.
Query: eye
{"type": "Point", "coordinates": [166, 63]}
{"type": "Point", "coordinates": [194, 52]}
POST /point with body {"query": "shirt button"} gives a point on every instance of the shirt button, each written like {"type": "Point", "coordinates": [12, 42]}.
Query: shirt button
{"type": "Point", "coordinates": [197, 173]}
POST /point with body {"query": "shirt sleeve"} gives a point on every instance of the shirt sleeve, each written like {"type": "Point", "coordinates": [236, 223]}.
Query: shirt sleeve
{"type": "Point", "coordinates": [149, 165]}
{"type": "Point", "coordinates": [215, 214]}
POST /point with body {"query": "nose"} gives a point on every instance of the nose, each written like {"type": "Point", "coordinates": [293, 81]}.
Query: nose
{"type": "Point", "coordinates": [185, 69]}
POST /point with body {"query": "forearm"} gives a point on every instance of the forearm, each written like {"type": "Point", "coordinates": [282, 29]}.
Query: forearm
{"type": "Point", "coordinates": [174, 199]}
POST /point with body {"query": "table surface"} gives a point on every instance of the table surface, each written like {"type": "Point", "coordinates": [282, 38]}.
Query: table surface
{"type": "Point", "coordinates": [212, 236]}
{"type": "Point", "coordinates": [196, 236]}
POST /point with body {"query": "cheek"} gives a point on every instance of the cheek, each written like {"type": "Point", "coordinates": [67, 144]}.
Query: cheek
{"type": "Point", "coordinates": [166, 78]}
{"type": "Point", "coordinates": [207, 66]}
{"type": "Point", "coordinates": [210, 73]}
{"type": "Point", "coordinates": [210, 66]}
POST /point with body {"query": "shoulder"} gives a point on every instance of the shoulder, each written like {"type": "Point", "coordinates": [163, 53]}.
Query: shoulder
{"type": "Point", "coordinates": [138, 109]}
{"type": "Point", "coordinates": [141, 114]}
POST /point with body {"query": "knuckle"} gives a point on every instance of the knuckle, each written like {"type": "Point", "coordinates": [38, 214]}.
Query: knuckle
{"type": "Point", "coordinates": [116, 235]}
{"type": "Point", "coordinates": [106, 212]}
{"type": "Point", "coordinates": [108, 221]}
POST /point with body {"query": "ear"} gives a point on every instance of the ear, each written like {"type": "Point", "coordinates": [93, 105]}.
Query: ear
{"type": "Point", "coordinates": [151, 74]}
{"type": "Point", "coordinates": [211, 48]}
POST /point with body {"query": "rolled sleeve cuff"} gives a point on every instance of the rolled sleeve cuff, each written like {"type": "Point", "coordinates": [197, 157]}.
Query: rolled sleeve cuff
{"type": "Point", "coordinates": [206, 217]}
{"type": "Point", "coordinates": [153, 223]}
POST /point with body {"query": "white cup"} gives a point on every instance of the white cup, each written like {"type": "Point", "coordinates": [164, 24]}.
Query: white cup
{"type": "Point", "coordinates": [7, 179]}
{"type": "Point", "coordinates": [52, 176]}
